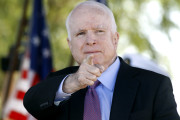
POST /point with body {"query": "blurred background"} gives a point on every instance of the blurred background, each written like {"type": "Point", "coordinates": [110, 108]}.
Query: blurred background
{"type": "Point", "coordinates": [149, 38]}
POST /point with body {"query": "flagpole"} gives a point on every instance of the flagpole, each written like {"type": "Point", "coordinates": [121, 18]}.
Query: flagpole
{"type": "Point", "coordinates": [13, 59]}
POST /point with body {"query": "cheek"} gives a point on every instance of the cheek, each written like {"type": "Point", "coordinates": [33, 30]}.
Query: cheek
{"type": "Point", "coordinates": [76, 46]}
{"type": "Point", "coordinates": [76, 50]}
{"type": "Point", "coordinates": [109, 48]}
{"type": "Point", "coordinates": [108, 42]}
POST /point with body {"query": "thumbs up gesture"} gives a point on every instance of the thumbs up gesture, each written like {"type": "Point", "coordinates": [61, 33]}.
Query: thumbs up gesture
{"type": "Point", "coordinates": [85, 76]}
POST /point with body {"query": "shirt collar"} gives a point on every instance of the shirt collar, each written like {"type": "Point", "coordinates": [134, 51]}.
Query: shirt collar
{"type": "Point", "coordinates": [108, 77]}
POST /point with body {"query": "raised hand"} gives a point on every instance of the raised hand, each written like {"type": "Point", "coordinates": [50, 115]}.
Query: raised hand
{"type": "Point", "coordinates": [85, 76]}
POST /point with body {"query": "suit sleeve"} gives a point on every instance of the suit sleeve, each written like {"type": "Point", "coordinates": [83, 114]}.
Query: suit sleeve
{"type": "Point", "coordinates": [39, 99]}
{"type": "Point", "coordinates": [165, 105]}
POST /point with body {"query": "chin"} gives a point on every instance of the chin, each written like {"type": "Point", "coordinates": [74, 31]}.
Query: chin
{"type": "Point", "coordinates": [98, 61]}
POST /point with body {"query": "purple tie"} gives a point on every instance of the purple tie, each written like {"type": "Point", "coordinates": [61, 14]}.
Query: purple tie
{"type": "Point", "coordinates": [92, 109]}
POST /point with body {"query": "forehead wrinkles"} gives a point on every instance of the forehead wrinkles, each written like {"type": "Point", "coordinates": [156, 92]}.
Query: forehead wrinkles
{"type": "Point", "coordinates": [95, 27]}
{"type": "Point", "coordinates": [89, 14]}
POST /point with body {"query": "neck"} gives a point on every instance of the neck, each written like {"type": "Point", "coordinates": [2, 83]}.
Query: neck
{"type": "Point", "coordinates": [112, 61]}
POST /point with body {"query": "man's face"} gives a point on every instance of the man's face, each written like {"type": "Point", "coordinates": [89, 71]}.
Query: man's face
{"type": "Point", "coordinates": [91, 33]}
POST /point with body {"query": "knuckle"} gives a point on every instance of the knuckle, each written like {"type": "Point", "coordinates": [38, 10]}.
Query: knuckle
{"type": "Point", "coordinates": [96, 71]}
{"type": "Point", "coordinates": [94, 77]}
{"type": "Point", "coordinates": [82, 83]}
{"type": "Point", "coordinates": [90, 82]}
{"type": "Point", "coordinates": [84, 67]}
{"type": "Point", "coordinates": [98, 75]}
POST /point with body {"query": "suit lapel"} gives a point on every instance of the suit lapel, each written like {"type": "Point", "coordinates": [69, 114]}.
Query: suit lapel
{"type": "Point", "coordinates": [77, 105]}
{"type": "Point", "coordinates": [123, 97]}
{"type": "Point", "coordinates": [124, 93]}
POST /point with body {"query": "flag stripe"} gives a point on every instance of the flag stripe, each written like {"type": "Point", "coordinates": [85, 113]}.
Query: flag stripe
{"type": "Point", "coordinates": [24, 74]}
{"type": "Point", "coordinates": [23, 85]}
{"type": "Point", "coordinates": [36, 79]}
{"type": "Point", "coordinates": [20, 95]}
{"type": "Point", "coordinates": [17, 116]}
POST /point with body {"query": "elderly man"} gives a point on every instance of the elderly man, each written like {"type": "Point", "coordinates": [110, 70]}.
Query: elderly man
{"type": "Point", "coordinates": [103, 87]}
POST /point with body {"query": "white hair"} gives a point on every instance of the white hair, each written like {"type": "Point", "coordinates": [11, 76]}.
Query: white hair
{"type": "Point", "coordinates": [95, 4]}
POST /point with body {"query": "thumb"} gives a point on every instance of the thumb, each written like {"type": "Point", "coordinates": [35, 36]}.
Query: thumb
{"type": "Point", "coordinates": [89, 59]}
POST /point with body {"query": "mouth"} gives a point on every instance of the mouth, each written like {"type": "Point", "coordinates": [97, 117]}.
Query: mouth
{"type": "Point", "coordinates": [91, 52]}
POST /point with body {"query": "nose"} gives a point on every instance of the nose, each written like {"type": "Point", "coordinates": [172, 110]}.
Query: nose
{"type": "Point", "coordinates": [90, 39]}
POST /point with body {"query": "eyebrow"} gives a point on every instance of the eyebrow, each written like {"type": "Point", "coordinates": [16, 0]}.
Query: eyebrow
{"type": "Point", "coordinates": [101, 27]}
{"type": "Point", "coordinates": [96, 27]}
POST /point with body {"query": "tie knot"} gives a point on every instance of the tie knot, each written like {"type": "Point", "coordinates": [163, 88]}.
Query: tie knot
{"type": "Point", "coordinates": [96, 83]}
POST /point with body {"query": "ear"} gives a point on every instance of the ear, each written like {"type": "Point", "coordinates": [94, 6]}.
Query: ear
{"type": "Point", "coordinates": [69, 43]}
{"type": "Point", "coordinates": [116, 39]}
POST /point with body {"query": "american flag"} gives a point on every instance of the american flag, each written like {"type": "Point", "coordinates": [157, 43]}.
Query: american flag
{"type": "Point", "coordinates": [102, 1]}
{"type": "Point", "coordinates": [37, 63]}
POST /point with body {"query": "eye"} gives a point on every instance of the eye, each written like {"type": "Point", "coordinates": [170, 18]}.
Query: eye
{"type": "Point", "coordinates": [80, 33]}
{"type": "Point", "coordinates": [100, 31]}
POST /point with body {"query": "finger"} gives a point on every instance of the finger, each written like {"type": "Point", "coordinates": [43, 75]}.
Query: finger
{"type": "Point", "coordinates": [86, 82]}
{"type": "Point", "coordinates": [89, 59]}
{"type": "Point", "coordinates": [94, 70]}
{"type": "Point", "coordinates": [91, 76]}
{"type": "Point", "coordinates": [89, 82]}
{"type": "Point", "coordinates": [101, 68]}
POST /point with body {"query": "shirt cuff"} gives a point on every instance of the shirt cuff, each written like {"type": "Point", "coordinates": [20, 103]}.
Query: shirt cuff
{"type": "Point", "coordinates": [60, 95]}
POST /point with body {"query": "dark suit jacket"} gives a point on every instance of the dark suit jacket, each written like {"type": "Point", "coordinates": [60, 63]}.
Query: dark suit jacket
{"type": "Point", "coordinates": [138, 95]}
